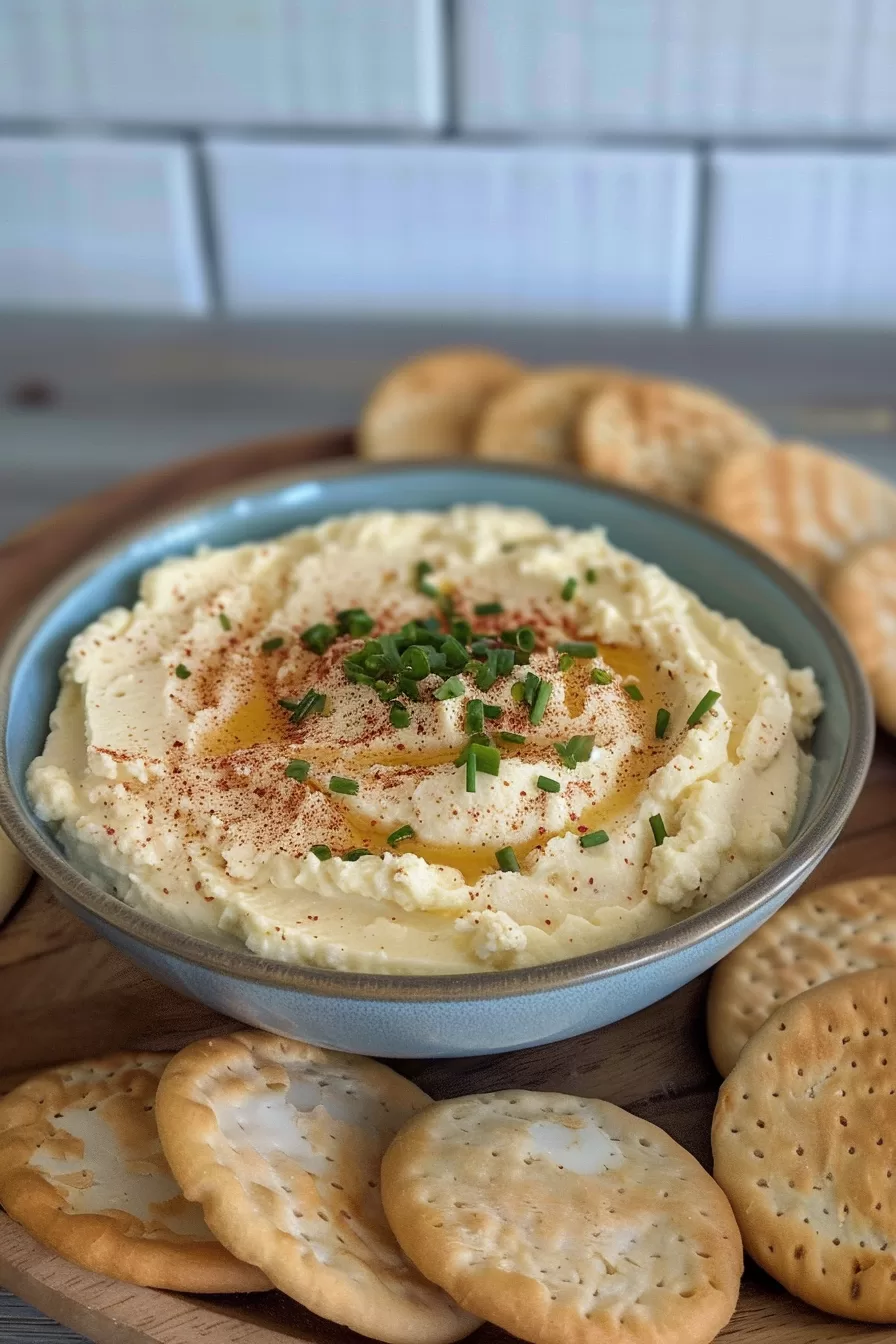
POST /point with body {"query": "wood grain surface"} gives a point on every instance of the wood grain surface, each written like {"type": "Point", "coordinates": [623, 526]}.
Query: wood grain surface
{"type": "Point", "coordinates": [65, 993]}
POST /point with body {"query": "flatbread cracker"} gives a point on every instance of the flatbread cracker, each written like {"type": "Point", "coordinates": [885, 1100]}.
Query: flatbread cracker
{"type": "Point", "coordinates": [563, 1218]}
{"type": "Point", "coordinates": [281, 1144]}
{"type": "Point", "coordinates": [806, 507]}
{"type": "Point", "coordinates": [535, 419]}
{"type": "Point", "coordinates": [850, 926]}
{"type": "Point", "coordinates": [663, 437]}
{"type": "Point", "coordinates": [82, 1168]}
{"type": "Point", "coordinates": [428, 406]}
{"type": "Point", "coordinates": [15, 874]}
{"type": "Point", "coordinates": [862, 595]}
{"type": "Point", "coordinates": [804, 1142]}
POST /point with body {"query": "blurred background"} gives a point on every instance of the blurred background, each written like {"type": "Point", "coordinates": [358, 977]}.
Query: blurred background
{"type": "Point", "coordinates": [225, 218]}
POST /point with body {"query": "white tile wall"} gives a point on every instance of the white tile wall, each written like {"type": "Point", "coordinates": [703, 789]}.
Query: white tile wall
{"type": "Point", "coordinates": [700, 66]}
{"type": "Point", "coordinates": [452, 228]}
{"type": "Point", "coordinates": [38, 75]}
{"type": "Point", "coordinates": [98, 224]}
{"type": "Point", "coordinates": [802, 237]}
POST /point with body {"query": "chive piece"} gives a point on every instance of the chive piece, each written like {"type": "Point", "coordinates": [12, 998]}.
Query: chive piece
{"type": "Point", "coordinates": [530, 688]}
{"type": "Point", "coordinates": [705, 704]}
{"type": "Point", "coordinates": [297, 770]}
{"type": "Point", "coordinates": [317, 638]}
{"type": "Point", "coordinates": [568, 591]}
{"type": "Point", "coordinates": [488, 671]}
{"type": "Point", "coordinates": [339, 784]}
{"type": "Point", "coordinates": [474, 718]}
{"type": "Point", "coordinates": [450, 689]}
{"type": "Point", "coordinates": [593, 838]}
{"type": "Point", "coordinates": [312, 702]}
{"type": "Point", "coordinates": [632, 691]}
{"type": "Point", "coordinates": [512, 737]}
{"type": "Point", "coordinates": [576, 750]}
{"type": "Point", "coordinates": [431, 625]}
{"type": "Point", "coordinates": [470, 779]}
{"type": "Point", "coordinates": [181, 672]}
{"type": "Point", "coordinates": [540, 704]}
{"type": "Point", "coordinates": [522, 638]}
{"type": "Point", "coordinates": [601, 677]}
{"type": "Point", "coordinates": [354, 621]}
{"type": "Point", "coordinates": [270, 645]}
{"type": "Point", "coordinates": [389, 648]}
{"type": "Point", "coordinates": [352, 855]}
{"type": "Point", "coordinates": [578, 648]}
{"type": "Point", "coordinates": [492, 711]}
{"type": "Point", "coordinates": [591, 574]}
{"type": "Point", "coordinates": [322, 852]}
{"type": "Point", "coordinates": [414, 663]}
{"type": "Point", "coordinates": [454, 653]}
{"type": "Point", "coordinates": [518, 692]}
{"type": "Point", "coordinates": [662, 722]}
{"type": "Point", "coordinates": [409, 688]}
{"type": "Point", "coordinates": [547, 784]}
{"type": "Point", "coordinates": [403, 833]}
{"type": "Point", "coordinates": [488, 759]}
{"type": "Point", "coordinates": [226, 623]}
{"type": "Point", "coordinates": [390, 692]}
{"type": "Point", "coordinates": [566, 661]}
{"type": "Point", "coordinates": [488, 609]}
{"type": "Point", "coordinates": [421, 583]}
{"type": "Point", "coordinates": [658, 827]}
{"type": "Point", "coordinates": [462, 631]}
{"type": "Point", "coordinates": [399, 716]}
{"type": "Point", "coordinates": [507, 860]}
{"type": "Point", "coordinates": [504, 661]}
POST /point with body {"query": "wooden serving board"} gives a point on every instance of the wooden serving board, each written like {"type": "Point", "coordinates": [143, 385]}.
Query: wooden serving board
{"type": "Point", "coordinates": [66, 993]}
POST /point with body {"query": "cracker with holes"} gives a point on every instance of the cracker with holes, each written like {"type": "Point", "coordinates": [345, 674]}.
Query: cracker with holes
{"type": "Point", "coordinates": [82, 1168]}
{"type": "Point", "coordinates": [862, 595]}
{"type": "Point", "coordinates": [534, 419]}
{"type": "Point", "coordinates": [804, 1143]}
{"type": "Point", "coordinates": [563, 1218]}
{"type": "Point", "coordinates": [427, 407]}
{"type": "Point", "coordinates": [850, 926]}
{"type": "Point", "coordinates": [281, 1144]}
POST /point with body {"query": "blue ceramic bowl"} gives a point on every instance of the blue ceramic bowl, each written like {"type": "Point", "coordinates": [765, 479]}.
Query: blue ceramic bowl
{"type": "Point", "coordinates": [463, 1014]}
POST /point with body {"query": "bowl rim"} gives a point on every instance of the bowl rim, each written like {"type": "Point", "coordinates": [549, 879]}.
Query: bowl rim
{"type": "Point", "coordinates": [797, 860]}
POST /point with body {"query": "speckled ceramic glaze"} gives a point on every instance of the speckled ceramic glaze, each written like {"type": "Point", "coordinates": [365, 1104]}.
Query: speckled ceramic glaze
{"type": "Point", "coordinates": [465, 1014]}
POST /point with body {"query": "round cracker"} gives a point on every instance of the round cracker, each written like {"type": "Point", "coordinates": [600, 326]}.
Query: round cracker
{"type": "Point", "coordinates": [663, 437]}
{"type": "Point", "coordinates": [534, 420]}
{"type": "Point", "coordinates": [803, 1142]}
{"type": "Point", "coordinates": [15, 874]}
{"type": "Point", "coordinates": [806, 507]}
{"type": "Point", "coordinates": [428, 406]}
{"type": "Point", "coordinates": [280, 1143]}
{"type": "Point", "coordinates": [564, 1218]}
{"type": "Point", "coordinates": [82, 1168]}
{"type": "Point", "coordinates": [862, 595]}
{"type": "Point", "coordinates": [816, 936]}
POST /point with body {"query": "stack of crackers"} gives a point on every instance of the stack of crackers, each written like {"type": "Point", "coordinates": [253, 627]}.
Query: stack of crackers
{"type": "Point", "coordinates": [252, 1161]}
{"type": "Point", "coordinates": [829, 520]}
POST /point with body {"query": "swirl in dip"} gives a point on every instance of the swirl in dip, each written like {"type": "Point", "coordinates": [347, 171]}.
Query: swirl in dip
{"type": "Point", "coordinates": [635, 756]}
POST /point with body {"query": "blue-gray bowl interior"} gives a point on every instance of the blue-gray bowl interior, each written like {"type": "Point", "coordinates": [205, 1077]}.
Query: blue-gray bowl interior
{"type": "Point", "coordinates": [726, 573]}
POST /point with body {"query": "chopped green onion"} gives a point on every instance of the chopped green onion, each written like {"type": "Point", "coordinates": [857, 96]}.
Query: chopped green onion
{"type": "Point", "coordinates": [578, 648]}
{"type": "Point", "coordinates": [339, 784]}
{"type": "Point", "coordinates": [455, 654]}
{"type": "Point", "coordinates": [389, 692]}
{"type": "Point", "coordinates": [547, 784]}
{"type": "Point", "coordinates": [576, 750]}
{"type": "Point", "coordinates": [270, 645]}
{"type": "Point", "coordinates": [632, 691]}
{"type": "Point", "coordinates": [414, 663]}
{"type": "Point", "coordinates": [659, 829]}
{"type": "Point", "coordinates": [181, 672]}
{"type": "Point", "coordinates": [568, 591]}
{"type": "Point", "coordinates": [403, 833]}
{"type": "Point", "coordinates": [488, 609]}
{"type": "Point", "coordinates": [512, 737]}
{"type": "Point", "coordinates": [462, 631]}
{"type": "Point", "coordinates": [470, 779]}
{"type": "Point", "coordinates": [352, 855]}
{"type": "Point", "coordinates": [601, 677]}
{"type": "Point", "coordinates": [317, 638]}
{"type": "Point", "coordinates": [522, 638]}
{"type": "Point", "coordinates": [566, 661]}
{"type": "Point", "coordinates": [504, 661]}
{"type": "Point", "coordinates": [474, 718]}
{"type": "Point", "coordinates": [488, 758]}
{"type": "Point", "coordinates": [354, 621]}
{"type": "Point", "coordinates": [450, 689]}
{"type": "Point", "coordinates": [488, 671]}
{"type": "Point", "coordinates": [492, 711]}
{"type": "Point", "coordinates": [540, 703]}
{"type": "Point", "coordinates": [421, 583]}
{"type": "Point", "coordinates": [409, 688]}
{"type": "Point", "coordinates": [591, 574]}
{"type": "Point", "coordinates": [312, 702]}
{"type": "Point", "coordinates": [297, 770]}
{"type": "Point", "coordinates": [705, 704]}
{"type": "Point", "coordinates": [399, 717]}
{"type": "Point", "coordinates": [530, 688]}
{"type": "Point", "coordinates": [226, 623]}
{"type": "Point", "coordinates": [593, 838]}
{"type": "Point", "coordinates": [518, 692]}
{"type": "Point", "coordinates": [507, 860]}
{"type": "Point", "coordinates": [389, 647]}
{"type": "Point", "coordinates": [662, 722]}
{"type": "Point", "coordinates": [322, 852]}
